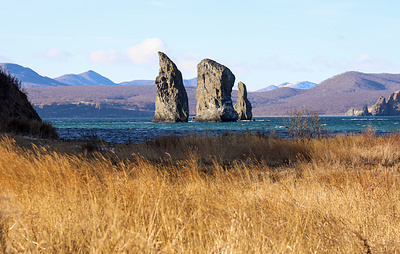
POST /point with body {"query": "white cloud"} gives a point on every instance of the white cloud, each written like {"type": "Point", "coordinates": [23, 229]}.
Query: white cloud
{"type": "Point", "coordinates": [107, 56]}
{"type": "Point", "coordinates": [187, 63]}
{"type": "Point", "coordinates": [189, 67]}
{"type": "Point", "coordinates": [363, 63]}
{"type": "Point", "coordinates": [368, 63]}
{"type": "Point", "coordinates": [146, 51]}
{"type": "Point", "coordinates": [57, 54]}
{"type": "Point", "coordinates": [5, 59]}
{"type": "Point", "coordinates": [143, 53]}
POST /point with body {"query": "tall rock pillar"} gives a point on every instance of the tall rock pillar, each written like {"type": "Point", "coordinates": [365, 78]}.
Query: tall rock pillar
{"type": "Point", "coordinates": [243, 105]}
{"type": "Point", "coordinates": [171, 100]}
{"type": "Point", "coordinates": [213, 94]}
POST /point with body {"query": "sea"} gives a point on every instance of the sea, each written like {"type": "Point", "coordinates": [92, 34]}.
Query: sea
{"type": "Point", "coordinates": [137, 130]}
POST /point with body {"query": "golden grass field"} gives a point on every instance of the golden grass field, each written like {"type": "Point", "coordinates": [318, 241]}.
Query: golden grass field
{"type": "Point", "coordinates": [236, 193]}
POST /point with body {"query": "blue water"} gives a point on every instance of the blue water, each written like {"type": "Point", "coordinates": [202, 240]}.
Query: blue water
{"type": "Point", "coordinates": [142, 129]}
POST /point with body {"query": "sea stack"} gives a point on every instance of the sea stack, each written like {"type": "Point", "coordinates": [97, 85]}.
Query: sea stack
{"type": "Point", "coordinates": [213, 94]}
{"type": "Point", "coordinates": [243, 106]}
{"type": "Point", "coordinates": [171, 100]}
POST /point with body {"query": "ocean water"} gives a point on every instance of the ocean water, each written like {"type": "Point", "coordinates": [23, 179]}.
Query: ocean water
{"type": "Point", "coordinates": [123, 130]}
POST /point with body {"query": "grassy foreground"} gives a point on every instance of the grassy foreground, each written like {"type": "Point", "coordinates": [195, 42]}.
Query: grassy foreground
{"type": "Point", "coordinates": [229, 194]}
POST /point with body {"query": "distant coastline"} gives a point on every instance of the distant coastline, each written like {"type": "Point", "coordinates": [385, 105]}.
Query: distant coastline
{"type": "Point", "coordinates": [332, 97]}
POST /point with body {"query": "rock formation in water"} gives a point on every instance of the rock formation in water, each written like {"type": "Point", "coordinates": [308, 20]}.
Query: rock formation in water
{"type": "Point", "coordinates": [380, 108]}
{"type": "Point", "coordinates": [171, 100]}
{"type": "Point", "coordinates": [355, 112]}
{"type": "Point", "coordinates": [213, 94]}
{"type": "Point", "coordinates": [243, 106]}
{"type": "Point", "coordinates": [13, 102]}
{"type": "Point", "coordinates": [365, 112]}
{"type": "Point", "coordinates": [391, 107]}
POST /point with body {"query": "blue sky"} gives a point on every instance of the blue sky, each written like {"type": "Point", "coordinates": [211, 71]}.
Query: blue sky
{"type": "Point", "coordinates": [262, 42]}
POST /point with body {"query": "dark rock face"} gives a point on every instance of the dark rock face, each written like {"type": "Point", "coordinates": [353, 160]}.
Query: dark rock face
{"type": "Point", "coordinates": [365, 112]}
{"type": "Point", "coordinates": [391, 107]}
{"type": "Point", "coordinates": [243, 106]}
{"type": "Point", "coordinates": [171, 100]}
{"type": "Point", "coordinates": [13, 102]}
{"type": "Point", "coordinates": [213, 94]}
{"type": "Point", "coordinates": [394, 104]}
{"type": "Point", "coordinates": [380, 108]}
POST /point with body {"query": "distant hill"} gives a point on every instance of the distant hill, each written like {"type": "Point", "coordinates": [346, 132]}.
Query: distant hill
{"type": "Point", "coordinates": [296, 85]}
{"type": "Point", "coordinates": [97, 101]}
{"type": "Point", "coordinates": [140, 82]}
{"type": "Point", "coordinates": [353, 81]}
{"type": "Point", "coordinates": [334, 96]}
{"type": "Point", "coordinates": [89, 78]}
{"type": "Point", "coordinates": [28, 77]}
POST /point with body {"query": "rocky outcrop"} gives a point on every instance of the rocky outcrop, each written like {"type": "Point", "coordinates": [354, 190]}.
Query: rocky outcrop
{"type": "Point", "coordinates": [355, 112]}
{"type": "Point", "coordinates": [394, 103]}
{"type": "Point", "coordinates": [13, 102]}
{"type": "Point", "coordinates": [391, 107]}
{"type": "Point", "coordinates": [351, 112]}
{"type": "Point", "coordinates": [243, 106]}
{"type": "Point", "coordinates": [171, 100]}
{"type": "Point", "coordinates": [213, 94]}
{"type": "Point", "coordinates": [364, 111]}
{"type": "Point", "coordinates": [380, 108]}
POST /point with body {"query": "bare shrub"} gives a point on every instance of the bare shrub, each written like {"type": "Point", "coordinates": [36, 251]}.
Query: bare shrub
{"type": "Point", "coordinates": [304, 124]}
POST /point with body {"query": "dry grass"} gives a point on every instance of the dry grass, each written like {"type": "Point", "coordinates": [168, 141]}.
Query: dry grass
{"type": "Point", "coordinates": [31, 127]}
{"type": "Point", "coordinates": [334, 195]}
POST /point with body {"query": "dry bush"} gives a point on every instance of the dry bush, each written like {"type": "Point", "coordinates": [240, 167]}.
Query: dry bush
{"type": "Point", "coordinates": [35, 128]}
{"type": "Point", "coordinates": [330, 202]}
{"type": "Point", "coordinates": [303, 124]}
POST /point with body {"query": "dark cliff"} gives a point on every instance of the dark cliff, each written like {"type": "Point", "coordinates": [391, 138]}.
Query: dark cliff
{"type": "Point", "coordinates": [17, 114]}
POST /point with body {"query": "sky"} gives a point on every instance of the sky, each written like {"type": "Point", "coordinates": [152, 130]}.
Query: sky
{"type": "Point", "coordinates": [263, 42]}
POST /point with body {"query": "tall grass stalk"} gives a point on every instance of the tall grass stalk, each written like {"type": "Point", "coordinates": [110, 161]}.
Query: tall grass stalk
{"type": "Point", "coordinates": [333, 195]}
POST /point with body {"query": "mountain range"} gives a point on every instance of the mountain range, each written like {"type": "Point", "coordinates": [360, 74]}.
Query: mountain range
{"type": "Point", "coordinates": [297, 85]}
{"type": "Point", "coordinates": [91, 95]}
{"type": "Point", "coordinates": [29, 78]}
{"type": "Point", "coordinates": [89, 78]}
{"type": "Point", "coordinates": [334, 96]}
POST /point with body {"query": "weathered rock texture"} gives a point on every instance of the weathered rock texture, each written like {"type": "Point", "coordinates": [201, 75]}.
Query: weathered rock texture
{"type": "Point", "coordinates": [365, 112]}
{"type": "Point", "coordinates": [243, 106]}
{"type": "Point", "coordinates": [171, 100]}
{"type": "Point", "coordinates": [391, 107]}
{"type": "Point", "coordinates": [13, 102]}
{"type": "Point", "coordinates": [380, 108]}
{"type": "Point", "coordinates": [355, 112]}
{"type": "Point", "coordinates": [213, 94]}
